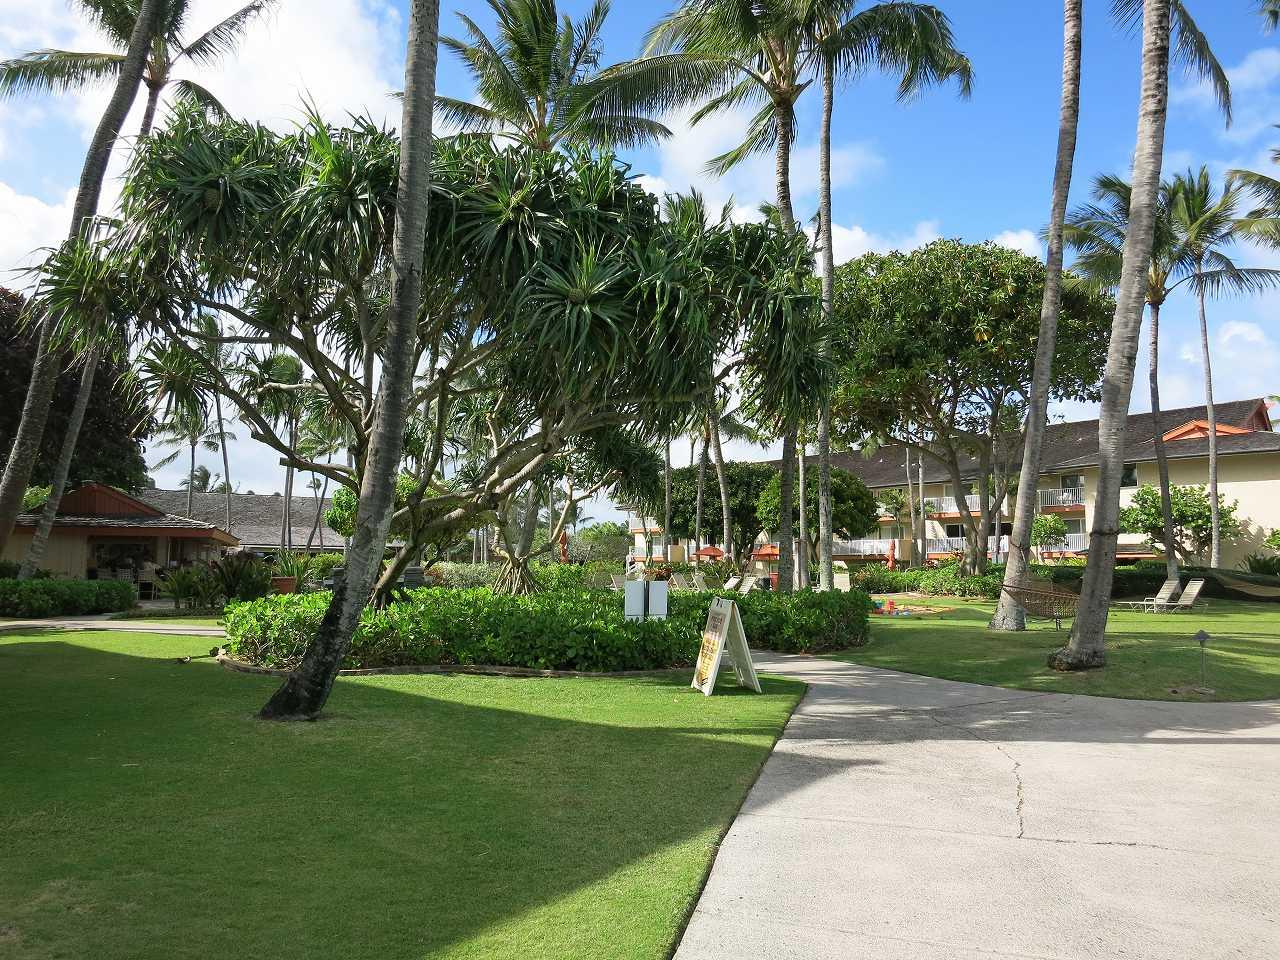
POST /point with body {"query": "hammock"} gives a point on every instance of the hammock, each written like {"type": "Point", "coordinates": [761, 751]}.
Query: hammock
{"type": "Point", "coordinates": [1045, 602]}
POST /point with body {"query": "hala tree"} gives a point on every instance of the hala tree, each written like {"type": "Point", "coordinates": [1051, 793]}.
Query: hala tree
{"type": "Point", "coordinates": [854, 509]}
{"type": "Point", "coordinates": [933, 353]}
{"type": "Point", "coordinates": [1192, 519]}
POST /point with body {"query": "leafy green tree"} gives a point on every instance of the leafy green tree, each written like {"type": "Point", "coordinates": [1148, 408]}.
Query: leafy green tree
{"type": "Point", "coordinates": [539, 82]}
{"type": "Point", "coordinates": [855, 512]}
{"type": "Point", "coordinates": [1048, 531]}
{"type": "Point", "coordinates": [933, 354]}
{"type": "Point", "coordinates": [1192, 519]}
{"type": "Point", "coordinates": [745, 481]}
{"type": "Point", "coordinates": [57, 71]}
{"type": "Point", "coordinates": [605, 540]}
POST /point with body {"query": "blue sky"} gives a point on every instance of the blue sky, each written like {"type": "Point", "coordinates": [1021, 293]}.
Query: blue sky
{"type": "Point", "coordinates": [939, 166]}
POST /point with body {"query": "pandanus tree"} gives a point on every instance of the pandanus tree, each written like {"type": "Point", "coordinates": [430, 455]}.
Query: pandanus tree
{"type": "Point", "coordinates": [534, 261]}
{"type": "Point", "coordinates": [539, 81]}
{"type": "Point", "coordinates": [727, 54]}
{"type": "Point", "coordinates": [59, 71]}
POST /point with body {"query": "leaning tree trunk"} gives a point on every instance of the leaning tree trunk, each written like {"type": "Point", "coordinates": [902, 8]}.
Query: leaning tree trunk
{"type": "Point", "coordinates": [58, 485]}
{"type": "Point", "coordinates": [1162, 459]}
{"type": "Point", "coordinates": [722, 479]}
{"type": "Point", "coordinates": [515, 577]}
{"type": "Point", "coordinates": [1215, 512]}
{"type": "Point", "coordinates": [304, 693]}
{"type": "Point", "coordinates": [911, 508]}
{"type": "Point", "coordinates": [1009, 614]}
{"type": "Point", "coordinates": [44, 373]}
{"type": "Point", "coordinates": [149, 115]}
{"type": "Point", "coordinates": [1086, 646]}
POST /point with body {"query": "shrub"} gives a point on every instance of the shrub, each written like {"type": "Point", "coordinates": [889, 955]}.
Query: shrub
{"type": "Point", "coordinates": [52, 598]}
{"type": "Point", "coordinates": [1267, 563]}
{"type": "Point", "coordinates": [878, 578]}
{"type": "Point", "coordinates": [571, 629]}
{"type": "Point", "coordinates": [463, 576]}
{"type": "Point", "coordinates": [241, 576]}
{"type": "Point", "coordinates": [322, 565]}
{"type": "Point", "coordinates": [559, 576]}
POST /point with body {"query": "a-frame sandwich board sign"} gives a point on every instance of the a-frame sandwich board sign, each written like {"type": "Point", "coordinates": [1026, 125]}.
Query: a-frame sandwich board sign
{"type": "Point", "coordinates": [723, 635]}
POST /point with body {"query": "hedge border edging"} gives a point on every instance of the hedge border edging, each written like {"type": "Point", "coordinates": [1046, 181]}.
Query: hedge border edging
{"type": "Point", "coordinates": [239, 666]}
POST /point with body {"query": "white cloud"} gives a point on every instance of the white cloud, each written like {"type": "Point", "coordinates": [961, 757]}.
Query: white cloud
{"type": "Point", "coordinates": [682, 161]}
{"type": "Point", "coordinates": [1024, 240]}
{"type": "Point", "coordinates": [26, 224]}
{"type": "Point", "coordinates": [1255, 95]}
{"type": "Point", "coordinates": [854, 241]}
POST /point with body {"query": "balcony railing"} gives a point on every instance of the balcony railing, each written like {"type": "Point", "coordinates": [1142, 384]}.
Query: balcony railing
{"type": "Point", "coordinates": [996, 546]}
{"type": "Point", "coordinates": [1066, 497]}
{"type": "Point", "coordinates": [951, 505]}
{"type": "Point", "coordinates": [1073, 543]}
{"type": "Point", "coordinates": [862, 548]}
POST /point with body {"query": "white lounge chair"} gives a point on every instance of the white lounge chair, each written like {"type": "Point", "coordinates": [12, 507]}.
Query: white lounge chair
{"type": "Point", "coordinates": [732, 583]}
{"type": "Point", "coordinates": [1168, 590]}
{"type": "Point", "coordinates": [841, 582]}
{"type": "Point", "coordinates": [1190, 599]}
{"type": "Point", "coordinates": [679, 582]}
{"type": "Point", "coordinates": [748, 584]}
{"type": "Point", "coordinates": [699, 582]}
{"type": "Point", "coordinates": [616, 581]}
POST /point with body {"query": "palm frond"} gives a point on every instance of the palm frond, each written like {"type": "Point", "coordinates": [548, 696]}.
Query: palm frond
{"type": "Point", "coordinates": [56, 71]}
{"type": "Point", "coordinates": [222, 37]}
{"type": "Point", "coordinates": [192, 92]}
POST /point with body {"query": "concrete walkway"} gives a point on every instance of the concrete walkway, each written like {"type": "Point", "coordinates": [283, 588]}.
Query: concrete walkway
{"type": "Point", "coordinates": [907, 818]}
{"type": "Point", "coordinates": [104, 622]}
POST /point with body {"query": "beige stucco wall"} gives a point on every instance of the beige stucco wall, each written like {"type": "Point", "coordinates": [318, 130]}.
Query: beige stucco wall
{"type": "Point", "coordinates": [67, 555]}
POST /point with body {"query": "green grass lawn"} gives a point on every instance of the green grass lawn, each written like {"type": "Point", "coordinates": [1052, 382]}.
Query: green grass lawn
{"type": "Point", "coordinates": [1148, 655]}
{"type": "Point", "coordinates": [147, 814]}
{"type": "Point", "coordinates": [175, 621]}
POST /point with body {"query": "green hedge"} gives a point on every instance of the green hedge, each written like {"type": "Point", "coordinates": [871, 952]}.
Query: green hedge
{"type": "Point", "coordinates": [54, 598]}
{"type": "Point", "coordinates": [567, 629]}
{"type": "Point", "coordinates": [946, 580]}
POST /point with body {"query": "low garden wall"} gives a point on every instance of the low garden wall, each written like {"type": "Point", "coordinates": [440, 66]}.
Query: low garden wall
{"type": "Point", "coordinates": [65, 598]}
{"type": "Point", "coordinates": [562, 629]}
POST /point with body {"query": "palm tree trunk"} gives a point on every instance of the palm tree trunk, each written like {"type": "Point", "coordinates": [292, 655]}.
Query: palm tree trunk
{"type": "Point", "coordinates": [1215, 518]}
{"type": "Point", "coordinates": [191, 477]}
{"type": "Point", "coordinates": [149, 115]}
{"type": "Point", "coordinates": [802, 557]}
{"type": "Point", "coordinates": [826, 535]}
{"type": "Point", "coordinates": [304, 693]}
{"type": "Point", "coordinates": [226, 461]}
{"type": "Point", "coordinates": [786, 524]}
{"type": "Point", "coordinates": [666, 505]}
{"type": "Point", "coordinates": [1009, 614]}
{"type": "Point", "coordinates": [1162, 460]}
{"type": "Point", "coordinates": [44, 373]}
{"type": "Point", "coordinates": [911, 509]}
{"type": "Point", "coordinates": [722, 478]}
{"type": "Point", "coordinates": [58, 485]}
{"type": "Point", "coordinates": [698, 498]}
{"type": "Point", "coordinates": [786, 518]}
{"type": "Point", "coordinates": [1086, 646]}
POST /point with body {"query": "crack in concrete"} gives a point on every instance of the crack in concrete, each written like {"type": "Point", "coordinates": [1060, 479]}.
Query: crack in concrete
{"type": "Point", "coordinates": [1017, 768]}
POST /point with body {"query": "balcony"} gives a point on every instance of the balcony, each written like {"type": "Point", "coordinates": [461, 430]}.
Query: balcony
{"type": "Point", "coordinates": [861, 548]}
{"type": "Point", "coordinates": [1064, 499]}
{"type": "Point", "coordinates": [945, 505]}
{"type": "Point", "coordinates": [1075, 542]}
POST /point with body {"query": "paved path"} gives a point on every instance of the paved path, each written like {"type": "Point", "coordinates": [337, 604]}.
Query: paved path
{"type": "Point", "coordinates": [104, 622]}
{"type": "Point", "coordinates": [907, 818]}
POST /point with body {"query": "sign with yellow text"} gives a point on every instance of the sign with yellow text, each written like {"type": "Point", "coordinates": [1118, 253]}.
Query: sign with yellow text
{"type": "Point", "coordinates": [723, 635]}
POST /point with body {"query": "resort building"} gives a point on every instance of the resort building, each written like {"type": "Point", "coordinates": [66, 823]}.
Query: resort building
{"type": "Point", "coordinates": [1248, 473]}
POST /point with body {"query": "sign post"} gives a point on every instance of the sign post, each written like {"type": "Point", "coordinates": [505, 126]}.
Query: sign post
{"type": "Point", "coordinates": [723, 635]}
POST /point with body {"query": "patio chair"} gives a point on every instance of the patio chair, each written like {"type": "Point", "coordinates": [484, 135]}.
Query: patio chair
{"type": "Point", "coordinates": [679, 582]}
{"type": "Point", "coordinates": [617, 581]}
{"type": "Point", "coordinates": [748, 584]}
{"type": "Point", "coordinates": [1189, 600]}
{"type": "Point", "coordinates": [699, 582]}
{"type": "Point", "coordinates": [732, 583]}
{"type": "Point", "coordinates": [1168, 590]}
{"type": "Point", "coordinates": [841, 582]}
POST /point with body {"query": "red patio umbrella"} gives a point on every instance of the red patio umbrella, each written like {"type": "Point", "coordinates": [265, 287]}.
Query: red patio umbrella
{"type": "Point", "coordinates": [710, 553]}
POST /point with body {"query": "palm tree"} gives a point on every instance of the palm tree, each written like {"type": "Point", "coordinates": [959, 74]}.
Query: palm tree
{"type": "Point", "coordinates": [540, 83]}
{"type": "Point", "coordinates": [44, 371]}
{"type": "Point", "coordinates": [1208, 222]}
{"type": "Point", "coordinates": [1191, 225]}
{"type": "Point", "coordinates": [57, 71]}
{"type": "Point", "coordinates": [200, 480]}
{"type": "Point", "coordinates": [304, 693]}
{"type": "Point", "coordinates": [1009, 614]}
{"type": "Point", "coordinates": [730, 53]}
{"type": "Point", "coordinates": [188, 426]}
{"type": "Point", "coordinates": [275, 379]}
{"type": "Point", "coordinates": [1086, 645]}
{"type": "Point", "coordinates": [913, 41]}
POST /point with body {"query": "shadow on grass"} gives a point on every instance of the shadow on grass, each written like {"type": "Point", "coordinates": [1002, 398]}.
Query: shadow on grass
{"type": "Point", "coordinates": [147, 814]}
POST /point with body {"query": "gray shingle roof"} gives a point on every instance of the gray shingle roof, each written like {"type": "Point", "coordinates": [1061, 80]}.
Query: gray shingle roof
{"type": "Point", "coordinates": [1075, 444]}
{"type": "Point", "coordinates": [255, 517]}
{"type": "Point", "coordinates": [165, 522]}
